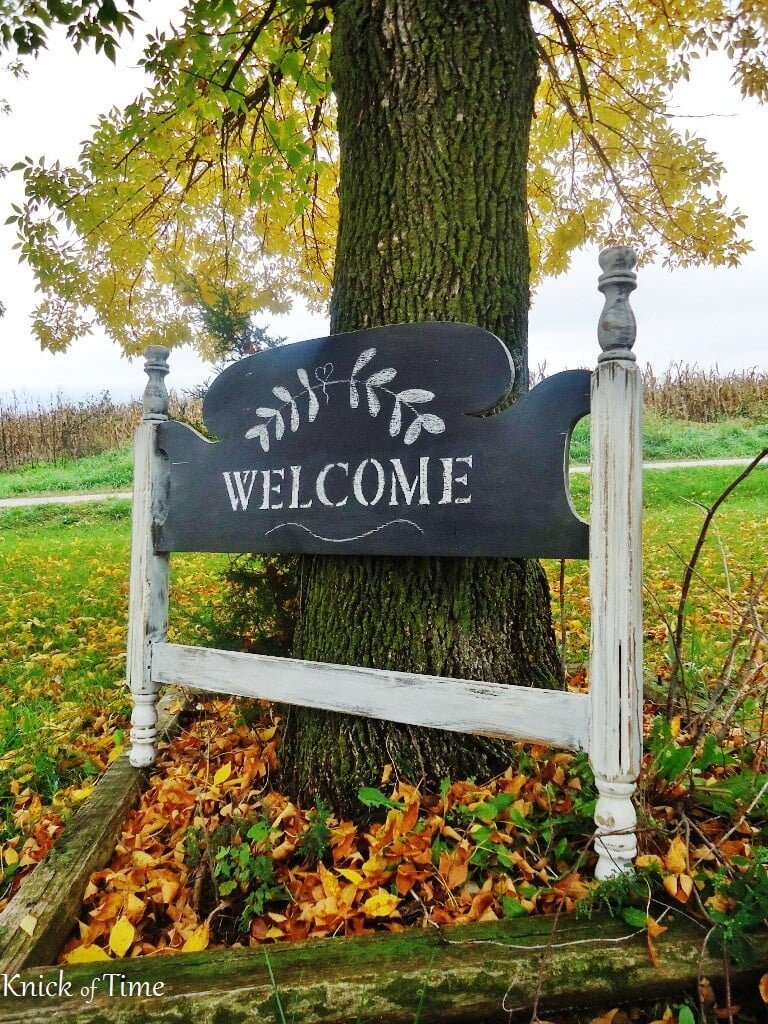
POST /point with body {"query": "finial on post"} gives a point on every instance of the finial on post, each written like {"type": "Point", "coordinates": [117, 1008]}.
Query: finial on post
{"type": "Point", "coordinates": [155, 397]}
{"type": "Point", "coordinates": [616, 329]}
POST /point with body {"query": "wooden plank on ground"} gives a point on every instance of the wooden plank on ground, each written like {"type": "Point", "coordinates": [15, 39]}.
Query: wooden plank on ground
{"type": "Point", "coordinates": [485, 709]}
{"type": "Point", "coordinates": [53, 892]}
{"type": "Point", "coordinates": [465, 974]}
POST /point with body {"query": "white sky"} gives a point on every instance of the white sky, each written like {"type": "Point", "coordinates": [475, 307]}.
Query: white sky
{"type": "Point", "coordinates": [705, 316]}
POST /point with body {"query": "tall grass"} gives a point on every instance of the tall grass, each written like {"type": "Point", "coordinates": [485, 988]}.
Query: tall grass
{"type": "Point", "coordinates": [687, 392]}
{"type": "Point", "coordinates": [34, 430]}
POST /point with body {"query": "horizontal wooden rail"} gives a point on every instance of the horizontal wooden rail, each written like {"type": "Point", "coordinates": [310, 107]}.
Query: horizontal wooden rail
{"type": "Point", "coordinates": [458, 705]}
{"type": "Point", "coordinates": [460, 975]}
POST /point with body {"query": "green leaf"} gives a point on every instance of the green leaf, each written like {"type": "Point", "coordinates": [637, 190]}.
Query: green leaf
{"type": "Point", "coordinates": [685, 1015]}
{"type": "Point", "coordinates": [634, 917]}
{"type": "Point", "coordinates": [512, 908]}
{"type": "Point", "coordinates": [371, 797]}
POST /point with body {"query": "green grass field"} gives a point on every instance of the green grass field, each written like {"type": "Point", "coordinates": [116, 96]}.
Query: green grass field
{"type": "Point", "coordinates": [63, 608]}
{"type": "Point", "coordinates": [63, 605]}
{"type": "Point", "coordinates": [664, 438]}
{"type": "Point", "coordinates": [110, 471]}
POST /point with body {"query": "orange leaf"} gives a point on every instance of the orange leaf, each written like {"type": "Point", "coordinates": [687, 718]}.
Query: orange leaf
{"type": "Point", "coordinates": [763, 988]}
{"type": "Point", "coordinates": [670, 884]}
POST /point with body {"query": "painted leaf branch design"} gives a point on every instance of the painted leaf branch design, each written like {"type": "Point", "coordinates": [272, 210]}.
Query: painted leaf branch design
{"type": "Point", "coordinates": [374, 387]}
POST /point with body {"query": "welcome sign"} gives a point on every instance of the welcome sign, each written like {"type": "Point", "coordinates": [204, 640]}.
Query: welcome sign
{"type": "Point", "coordinates": [401, 441]}
{"type": "Point", "coordinates": [380, 441]}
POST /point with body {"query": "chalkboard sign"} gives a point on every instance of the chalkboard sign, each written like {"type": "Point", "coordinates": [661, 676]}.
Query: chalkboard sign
{"type": "Point", "coordinates": [378, 442]}
{"type": "Point", "coordinates": [400, 441]}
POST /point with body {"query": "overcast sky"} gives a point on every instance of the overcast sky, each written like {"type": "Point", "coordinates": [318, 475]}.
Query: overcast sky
{"type": "Point", "coordinates": [704, 316]}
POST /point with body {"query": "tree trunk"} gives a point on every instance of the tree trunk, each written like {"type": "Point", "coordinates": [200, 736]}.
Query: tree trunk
{"type": "Point", "coordinates": [435, 99]}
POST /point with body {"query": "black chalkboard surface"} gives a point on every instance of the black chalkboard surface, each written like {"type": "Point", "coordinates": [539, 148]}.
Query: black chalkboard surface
{"type": "Point", "coordinates": [378, 442]}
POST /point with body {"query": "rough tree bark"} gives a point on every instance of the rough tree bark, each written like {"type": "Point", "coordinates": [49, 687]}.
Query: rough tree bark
{"type": "Point", "coordinates": [435, 99]}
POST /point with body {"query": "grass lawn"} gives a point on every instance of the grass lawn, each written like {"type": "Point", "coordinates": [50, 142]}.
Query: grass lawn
{"type": "Point", "coordinates": [63, 606]}
{"type": "Point", "coordinates": [664, 438]}
{"type": "Point", "coordinates": [62, 635]}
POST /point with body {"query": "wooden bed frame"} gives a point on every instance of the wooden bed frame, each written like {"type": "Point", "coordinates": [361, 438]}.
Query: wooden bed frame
{"type": "Point", "coordinates": [169, 514]}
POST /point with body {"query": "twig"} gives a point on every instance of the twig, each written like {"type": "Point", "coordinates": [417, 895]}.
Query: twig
{"type": "Point", "coordinates": [727, 970]}
{"type": "Point", "coordinates": [678, 677]}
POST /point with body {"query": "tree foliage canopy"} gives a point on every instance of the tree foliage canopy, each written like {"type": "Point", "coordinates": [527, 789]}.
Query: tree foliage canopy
{"type": "Point", "coordinates": [217, 185]}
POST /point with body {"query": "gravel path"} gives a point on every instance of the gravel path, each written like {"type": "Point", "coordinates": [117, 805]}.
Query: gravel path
{"type": "Point", "coordinates": [62, 499]}
{"type": "Point", "coordinates": [78, 499]}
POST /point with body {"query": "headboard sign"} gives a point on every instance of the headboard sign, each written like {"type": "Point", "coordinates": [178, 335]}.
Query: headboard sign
{"type": "Point", "coordinates": [378, 442]}
{"type": "Point", "coordinates": [385, 441]}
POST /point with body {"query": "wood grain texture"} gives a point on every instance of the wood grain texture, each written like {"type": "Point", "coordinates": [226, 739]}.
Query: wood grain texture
{"type": "Point", "coordinates": [458, 705]}
{"type": "Point", "coordinates": [459, 975]}
{"type": "Point", "coordinates": [148, 594]}
{"type": "Point", "coordinates": [616, 652]}
{"type": "Point", "coordinates": [53, 892]}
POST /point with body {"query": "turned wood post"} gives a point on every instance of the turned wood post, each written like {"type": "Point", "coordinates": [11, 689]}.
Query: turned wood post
{"type": "Point", "coordinates": [615, 569]}
{"type": "Point", "coordinates": [148, 607]}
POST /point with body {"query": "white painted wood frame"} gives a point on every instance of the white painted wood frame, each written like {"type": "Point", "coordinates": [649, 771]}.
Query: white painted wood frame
{"type": "Point", "coordinates": [607, 722]}
{"type": "Point", "coordinates": [615, 569]}
{"type": "Point", "coordinates": [458, 705]}
{"type": "Point", "coordinates": [148, 594]}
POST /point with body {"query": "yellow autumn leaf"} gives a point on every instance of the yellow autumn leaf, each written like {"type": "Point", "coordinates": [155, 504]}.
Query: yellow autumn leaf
{"type": "Point", "coordinates": [122, 936]}
{"type": "Point", "coordinates": [222, 774]}
{"type": "Point", "coordinates": [28, 923]}
{"type": "Point", "coordinates": [198, 940]}
{"type": "Point", "coordinates": [10, 856]}
{"type": "Point", "coordinates": [373, 865]}
{"type": "Point", "coordinates": [676, 859]}
{"type": "Point", "coordinates": [647, 860]}
{"type": "Point", "coordinates": [267, 734]}
{"type": "Point", "coordinates": [274, 933]}
{"type": "Point", "coordinates": [381, 904]}
{"type": "Point", "coordinates": [133, 907]}
{"type": "Point", "coordinates": [329, 883]}
{"type": "Point", "coordinates": [351, 876]}
{"type": "Point", "coordinates": [78, 795]}
{"type": "Point", "coordinates": [142, 859]}
{"type": "Point", "coordinates": [86, 955]}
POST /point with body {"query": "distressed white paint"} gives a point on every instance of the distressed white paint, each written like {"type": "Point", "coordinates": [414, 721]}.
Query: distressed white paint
{"type": "Point", "coordinates": [608, 722]}
{"type": "Point", "coordinates": [616, 659]}
{"type": "Point", "coordinates": [148, 605]}
{"type": "Point", "coordinates": [459, 705]}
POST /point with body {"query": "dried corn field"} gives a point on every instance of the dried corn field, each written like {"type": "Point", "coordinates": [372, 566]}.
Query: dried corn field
{"type": "Point", "coordinates": [58, 428]}
{"type": "Point", "coordinates": [35, 430]}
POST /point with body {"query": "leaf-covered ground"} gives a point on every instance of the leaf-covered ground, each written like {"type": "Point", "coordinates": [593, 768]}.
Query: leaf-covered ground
{"type": "Point", "coordinates": [215, 855]}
